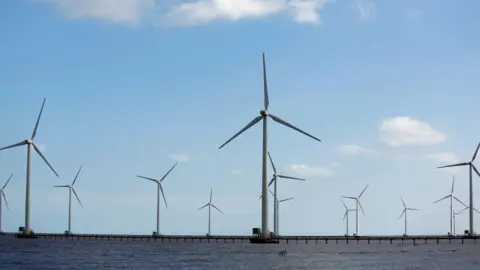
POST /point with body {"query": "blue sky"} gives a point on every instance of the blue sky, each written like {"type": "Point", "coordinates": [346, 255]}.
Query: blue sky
{"type": "Point", "coordinates": [132, 86]}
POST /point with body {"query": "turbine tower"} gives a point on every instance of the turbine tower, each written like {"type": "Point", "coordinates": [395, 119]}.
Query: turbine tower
{"type": "Point", "coordinates": [452, 197]}
{"type": "Point", "coordinates": [274, 182]}
{"type": "Point", "coordinates": [70, 190]}
{"type": "Point", "coordinates": [345, 216]}
{"type": "Point", "coordinates": [159, 189]}
{"type": "Point", "coordinates": [264, 114]}
{"type": "Point", "coordinates": [30, 143]}
{"type": "Point", "coordinates": [404, 212]}
{"type": "Point", "coordinates": [2, 194]}
{"type": "Point", "coordinates": [357, 203]}
{"type": "Point", "coordinates": [278, 209]}
{"type": "Point", "coordinates": [210, 205]}
{"type": "Point", "coordinates": [471, 167]}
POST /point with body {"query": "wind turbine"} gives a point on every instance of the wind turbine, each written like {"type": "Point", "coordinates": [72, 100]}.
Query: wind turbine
{"type": "Point", "coordinates": [404, 212]}
{"type": "Point", "coordinates": [471, 166]}
{"type": "Point", "coordinates": [346, 215]}
{"type": "Point", "coordinates": [451, 196]}
{"type": "Point", "coordinates": [454, 218]}
{"type": "Point", "coordinates": [159, 189]}
{"type": "Point", "coordinates": [278, 209]}
{"type": "Point", "coordinates": [30, 143]}
{"type": "Point", "coordinates": [264, 114]}
{"type": "Point", "coordinates": [210, 205]}
{"type": "Point", "coordinates": [2, 194]}
{"type": "Point", "coordinates": [357, 203]}
{"type": "Point", "coordinates": [274, 182]}
{"type": "Point", "coordinates": [70, 190]}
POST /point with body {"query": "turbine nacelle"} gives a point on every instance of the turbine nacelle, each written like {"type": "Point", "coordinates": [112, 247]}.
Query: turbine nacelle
{"type": "Point", "coordinates": [264, 113]}
{"type": "Point", "coordinates": [28, 142]}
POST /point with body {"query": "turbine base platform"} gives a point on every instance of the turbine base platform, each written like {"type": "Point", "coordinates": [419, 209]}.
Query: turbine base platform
{"type": "Point", "coordinates": [26, 235]}
{"type": "Point", "coordinates": [261, 240]}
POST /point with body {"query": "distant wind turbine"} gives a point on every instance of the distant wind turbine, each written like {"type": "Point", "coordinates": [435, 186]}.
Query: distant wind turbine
{"type": "Point", "coordinates": [278, 212]}
{"type": "Point", "coordinates": [274, 182]}
{"type": "Point", "coordinates": [345, 216]}
{"type": "Point", "coordinates": [2, 194]}
{"type": "Point", "coordinates": [455, 217]}
{"type": "Point", "coordinates": [357, 203]}
{"type": "Point", "coordinates": [264, 114]}
{"type": "Point", "coordinates": [471, 167]}
{"type": "Point", "coordinates": [210, 205]}
{"type": "Point", "coordinates": [159, 189]}
{"type": "Point", "coordinates": [404, 212]}
{"type": "Point", "coordinates": [70, 190]}
{"type": "Point", "coordinates": [30, 143]}
{"type": "Point", "coordinates": [451, 196]}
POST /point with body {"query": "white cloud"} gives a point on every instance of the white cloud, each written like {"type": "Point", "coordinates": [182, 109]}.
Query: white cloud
{"type": "Point", "coordinates": [180, 157]}
{"type": "Point", "coordinates": [353, 150]}
{"type": "Point", "coordinates": [187, 13]}
{"type": "Point", "coordinates": [403, 131]}
{"type": "Point", "coordinates": [120, 11]}
{"type": "Point", "coordinates": [236, 172]}
{"type": "Point", "coordinates": [306, 170]}
{"type": "Point", "coordinates": [444, 158]}
{"type": "Point", "coordinates": [366, 8]}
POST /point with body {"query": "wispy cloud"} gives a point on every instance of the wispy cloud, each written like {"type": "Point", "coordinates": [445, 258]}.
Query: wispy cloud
{"type": "Point", "coordinates": [366, 8]}
{"type": "Point", "coordinates": [180, 157]}
{"type": "Point", "coordinates": [307, 170]}
{"type": "Point", "coordinates": [353, 150]}
{"type": "Point", "coordinates": [188, 13]}
{"type": "Point", "coordinates": [444, 158]}
{"type": "Point", "coordinates": [404, 130]}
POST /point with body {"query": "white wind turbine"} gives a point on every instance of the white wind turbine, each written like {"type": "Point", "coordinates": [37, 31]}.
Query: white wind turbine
{"type": "Point", "coordinates": [264, 114]}
{"type": "Point", "coordinates": [159, 189]}
{"type": "Point", "coordinates": [404, 212]}
{"type": "Point", "coordinates": [210, 205]}
{"type": "Point", "coordinates": [357, 203]}
{"type": "Point", "coordinates": [70, 190]}
{"type": "Point", "coordinates": [274, 182]}
{"type": "Point", "coordinates": [471, 167]}
{"type": "Point", "coordinates": [455, 219]}
{"type": "Point", "coordinates": [345, 216]}
{"type": "Point", "coordinates": [2, 194]}
{"type": "Point", "coordinates": [277, 204]}
{"type": "Point", "coordinates": [30, 143]}
{"type": "Point", "coordinates": [452, 197]}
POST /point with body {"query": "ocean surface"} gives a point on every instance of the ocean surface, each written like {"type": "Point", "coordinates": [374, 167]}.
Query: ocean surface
{"type": "Point", "coordinates": [68, 254]}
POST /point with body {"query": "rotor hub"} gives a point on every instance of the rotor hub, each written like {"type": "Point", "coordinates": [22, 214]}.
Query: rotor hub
{"type": "Point", "coordinates": [29, 141]}
{"type": "Point", "coordinates": [264, 113]}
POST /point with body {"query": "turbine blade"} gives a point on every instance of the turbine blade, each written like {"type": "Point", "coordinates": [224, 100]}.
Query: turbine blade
{"type": "Point", "coordinates": [203, 207]}
{"type": "Point", "coordinates": [259, 197]}
{"type": "Point", "coordinates": [76, 196]}
{"type": "Point", "coordinates": [290, 177]}
{"type": "Point", "coordinates": [210, 195]}
{"type": "Point", "coordinates": [6, 183]}
{"type": "Point", "coordinates": [361, 207]}
{"type": "Point", "coordinates": [62, 186]}
{"type": "Point", "coordinates": [271, 193]}
{"type": "Point", "coordinates": [265, 87]}
{"type": "Point", "coordinates": [456, 199]}
{"type": "Point", "coordinates": [14, 145]}
{"type": "Point", "coordinates": [38, 120]}
{"type": "Point", "coordinates": [148, 178]}
{"type": "Point", "coordinates": [271, 181]}
{"type": "Point", "coordinates": [412, 209]}
{"type": "Point", "coordinates": [461, 211]}
{"type": "Point", "coordinates": [271, 162]}
{"type": "Point", "coordinates": [448, 196]}
{"type": "Point", "coordinates": [476, 152]}
{"type": "Point", "coordinates": [344, 205]}
{"type": "Point", "coordinates": [403, 202]}
{"type": "Point", "coordinates": [44, 159]}
{"type": "Point", "coordinates": [288, 199]}
{"type": "Point", "coordinates": [249, 125]}
{"type": "Point", "coordinates": [453, 184]}
{"type": "Point", "coordinates": [4, 198]}
{"type": "Point", "coordinates": [345, 215]}
{"type": "Point", "coordinates": [283, 122]}
{"type": "Point", "coordinates": [403, 212]}
{"type": "Point", "coordinates": [76, 176]}
{"type": "Point", "coordinates": [363, 191]}
{"type": "Point", "coordinates": [216, 208]}
{"type": "Point", "coordinates": [475, 169]}
{"type": "Point", "coordinates": [171, 169]}
{"type": "Point", "coordinates": [163, 194]}
{"type": "Point", "coordinates": [454, 165]}
{"type": "Point", "coordinates": [474, 209]}
{"type": "Point", "coordinates": [351, 198]}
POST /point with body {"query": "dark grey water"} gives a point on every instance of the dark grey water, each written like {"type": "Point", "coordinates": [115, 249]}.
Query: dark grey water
{"type": "Point", "coordinates": [64, 254]}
